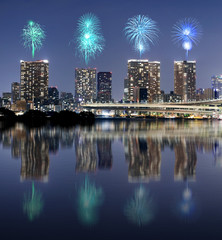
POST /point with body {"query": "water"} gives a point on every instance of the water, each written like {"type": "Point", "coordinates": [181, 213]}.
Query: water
{"type": "Point", "coordinates": [129, 179]}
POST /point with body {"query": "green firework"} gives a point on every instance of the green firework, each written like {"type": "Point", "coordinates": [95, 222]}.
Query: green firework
{"type": "Point", "coordinates": [33, 36]}
{"type": "Point", "coordinates": [89, 39]}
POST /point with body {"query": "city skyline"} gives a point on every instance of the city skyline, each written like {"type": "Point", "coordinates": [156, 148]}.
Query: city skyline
{"type": "Point", "coordinates": [60, 50]}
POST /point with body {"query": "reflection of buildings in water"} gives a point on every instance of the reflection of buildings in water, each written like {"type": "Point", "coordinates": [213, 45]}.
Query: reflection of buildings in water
{"type": "Point", "coordinates": [6, 139]}
{"type": "Point", "coordinates": [185, 160]}
{"type": "Point", "coordinates": [67, 138]}
{"type": "Point", "coordinates": [86, 155]}
{"type": "Point", "coordinates": [52, 136]}
{"type": "Point", "coordinates": [35, 157]}
{"type": "Point", "coordinates": [142, 140]}
{"type": "Point", "coordinates": [33, 148]}
{"type": "Point", "coordinates": [104, 149]}
{"type": "Point", "coordinates": [217, 152]}
{"type": "Point", "coordinates": [144, 158]}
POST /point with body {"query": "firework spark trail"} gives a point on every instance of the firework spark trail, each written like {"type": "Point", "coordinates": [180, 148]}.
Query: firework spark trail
{"type": "Point", "coordinates": [187, 32]}
{"type": "Point", "coordinates": [33, 36]}
{"type": "Point", "coordinates": [141, 31]}
{"type": "Point", "coordinates": [89, 39]}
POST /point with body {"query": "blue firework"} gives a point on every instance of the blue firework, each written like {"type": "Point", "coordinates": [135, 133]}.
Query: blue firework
{"type": "Point", "coordinates": [141, 31]}
{"type": "Point", "coordinates": [186, 33]}
{"type": "Point", "coordinates": [89, 39]}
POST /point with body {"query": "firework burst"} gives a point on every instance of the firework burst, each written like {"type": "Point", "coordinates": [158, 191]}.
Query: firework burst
{"type": "Point", "coordinates": [33, 36]}
{"type": "Point", "coordinates": [89, 39]}
{"type": "Point", "coordinates": [141, 31]}
{"type": "Point", "coordinates": [187, 32]}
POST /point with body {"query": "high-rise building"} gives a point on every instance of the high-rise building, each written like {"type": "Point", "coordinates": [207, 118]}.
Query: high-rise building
{"type": "Point", "coordinates": [34, 80]}
{"type": "Point", "coordinates": [216, 82]}
{"type": "Point", "coordinates": [185, 80]}
{"type": "Point", "coordinates": [15, 88]}
{"type": "Point", "coordinates": [85, 85]}
{"type": "Point", "coordinates": [66, 96]}
{"type": "Point", "coordinates": [53, 95]}
{"type": "Point", "coordinates": [6, 99]}
{"type": "Point", "coordinates": [143, 74]}
{"type": "Point", "coordinates": [208, 94]}
{"type": "Point", "coordinates": [67, 101]}
{"type": "Point", "coordinates": [172, 97]}
{"type": "Point", "coordinates": [126, 89]}
{"type": "Point", "coordinates": [104, 86]}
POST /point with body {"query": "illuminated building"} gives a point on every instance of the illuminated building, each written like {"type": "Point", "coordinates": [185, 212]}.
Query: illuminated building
{"type": "Point", "coordinates": [67, 101]}
{"type": "Point", "coordinates": [6, 99]}
{"type": "Point", "coordinates": [216, 82]}
{"type": "Point", "coordinates": [34, 81]}
{"type": "Point", "coordinates": [104, 86]}
{"type": "Point", "coordinates": [172, 97]}
{"type": "Point", "coordinates": [208, 93]}
{"type": "Point", "coordinates": [126, 89]}
{"type": "Point", "coordinates": [185, 80]}
{"type": "Point", "coordinates": [15, 89]}
{"type": "Point", "coordinates": [143, 74]}
{"type": "Point", "coordinates": [53, 95]}
{"type": "Point", "coordinates": [85, 85]}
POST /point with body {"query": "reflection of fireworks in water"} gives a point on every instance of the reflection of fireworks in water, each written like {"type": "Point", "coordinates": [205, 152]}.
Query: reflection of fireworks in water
{"type": "Point", "coordinates": [187, 205]}
{"type": "Point", "coordinates": [33, 35]}
{"type": "Point", "coordinates": [89, 199]}
{"type": "Point", "coordinates": [141, 30]}
{"type": "Point", "coordinates": [33, 204]}
{"type": "Point", "coordinates": [187, 32]}
{"type": "Point", "coordinates": [139, 210]}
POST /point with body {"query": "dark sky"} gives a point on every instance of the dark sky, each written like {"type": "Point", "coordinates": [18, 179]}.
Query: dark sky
{"type": "Point", "coordinates": [59, 18]}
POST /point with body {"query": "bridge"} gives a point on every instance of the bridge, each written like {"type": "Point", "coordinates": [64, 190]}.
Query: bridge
{"type": "Point", "coordinates": [208, 107]}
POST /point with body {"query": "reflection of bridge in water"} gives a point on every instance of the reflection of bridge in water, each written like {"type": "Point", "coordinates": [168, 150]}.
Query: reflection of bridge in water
{"type": "Point", "coordinates": [197, 107]}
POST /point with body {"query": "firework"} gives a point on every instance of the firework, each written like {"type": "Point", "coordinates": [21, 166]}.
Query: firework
{"type": "Point", "coordinates": [89, 39]}
{"type": "Point", "coordinates": [186, 33]}
{"type": "Point", "coordinates": [141, 31]}
{"type": "Point", "coordinates": [33, 36]}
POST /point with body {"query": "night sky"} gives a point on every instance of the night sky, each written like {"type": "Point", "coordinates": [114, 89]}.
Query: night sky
{"type": "Point", "coordinates": [59, 18]}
